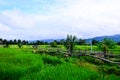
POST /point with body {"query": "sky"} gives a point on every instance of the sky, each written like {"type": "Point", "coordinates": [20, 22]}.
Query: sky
{"type": "Point", "coordinates": [54, 19]}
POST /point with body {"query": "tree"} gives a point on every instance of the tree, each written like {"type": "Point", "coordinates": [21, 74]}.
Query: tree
{"type": "Point", "coordinates": [6, 43]}
{"type": "Point", "coordinates": [1, 41]}
{"type": "Point", "coordinates": [41, 43]}
{"type": "Point", "coordinates": [19, 43]}
{"type": "Point", "coordinates": [118, 43]}
{"type": "Point", "coordinates": [37, 42]}
{"type": "Point", "coordinates": [24, 42]}
{"type": "Point", "coordinates": [54, 43]}
{"type": "Point", "coordinates": [94, 42]}
{"type": "Point", "coordinates": [69, 43]}
{"type": "Point", "coordinates": [81, 42]}
{"type": "Point", "coordinates": [61, 42]}
{"type": "Point", "coordinates": [46, 43]}
{"type": "Point", "coordinates": [10, 42]}
{"type": "Point", "coordinates": [106, 44]}
{"type": "Point", "coordinates": [15, 41]}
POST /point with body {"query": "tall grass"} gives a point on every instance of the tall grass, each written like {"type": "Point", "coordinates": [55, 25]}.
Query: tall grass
{"type": "Point", "coordinates": [65, 72]}
{"type": "Point", "coordinates": [15, 63]}
{"type": "Point", "coordinates": [52, 60]}
{"type": "Point", "coordinates": [68, 71]}
{"type": "Point", "coordinates": [22, 64]}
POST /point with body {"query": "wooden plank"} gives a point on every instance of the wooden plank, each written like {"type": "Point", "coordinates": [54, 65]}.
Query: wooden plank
{"type": "Point", "coordinates": [103, 59]}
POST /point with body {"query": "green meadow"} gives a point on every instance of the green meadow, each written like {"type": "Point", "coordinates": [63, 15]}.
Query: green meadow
{"type": "Point", "coordinates": [22, 64]}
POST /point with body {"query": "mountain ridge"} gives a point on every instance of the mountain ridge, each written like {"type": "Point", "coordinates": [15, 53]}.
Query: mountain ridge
{"type": "Point", "coordinates": [116, 38]}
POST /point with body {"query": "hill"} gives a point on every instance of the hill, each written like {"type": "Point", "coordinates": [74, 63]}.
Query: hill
{"type": "Point", "coordinates": [116, 38]}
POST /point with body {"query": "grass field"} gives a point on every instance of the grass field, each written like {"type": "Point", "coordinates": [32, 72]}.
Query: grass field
{"type": "Point", "coordinates": [116, 50]}
{"type": "Point", "coordinates": [22, 64]}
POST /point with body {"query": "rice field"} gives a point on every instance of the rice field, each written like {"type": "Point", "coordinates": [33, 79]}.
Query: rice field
{"type": "Point", "coordinates": [22, 64]}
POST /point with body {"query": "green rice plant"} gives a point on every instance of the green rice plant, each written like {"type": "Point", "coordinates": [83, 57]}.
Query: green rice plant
{"type": "Point", "coordinates": [47, 59]}
{"type": "Point", "coordinates": [68, 72]}
{"type": "Point", "coordinates": [86, 47]}
{"type": "Point", "coordinates": [91, 60]}
{"type": "Point", "coordinates": [22, 64]}
{"type": "Point", "coordinates": [15, 63]}
{"type": "Point", "coordinates": [64, 71]}
{"type": "Point", "coordinates": [111, 77]}
{"type": "Point", "coordinates": [109, 70]}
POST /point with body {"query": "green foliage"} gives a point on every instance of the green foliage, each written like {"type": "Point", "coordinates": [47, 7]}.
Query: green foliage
{"type": "Point", "coordinates": [94, 42]}
{"type": "Point", "coordinates": [109, 69]}
{"type": "Point", "coordinates": [106, 44]}
{"type": "Point", "coordinates": [69, 43]}
{"type": "Point", "coordinates": [92, 60]}
{"type": "Point", "coordinates": [109, 43]}
{"type": "Point", "coordinates": [14, 64]}
{"type": "Point", "coordinates": [81, 42]}
{"type": "Point", "coordinates": [53, 44]}
{"type": "Point", "coordinates": [112, 77]}
{"type": "Point", "coordinates": [66, 72]}
{"type": "Point", "coordinates": [19, 45]}
{"type": "Point", "coordinates": [47, 59]}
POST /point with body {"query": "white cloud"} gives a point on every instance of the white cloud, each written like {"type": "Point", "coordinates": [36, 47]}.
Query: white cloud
{"type": "Point", "coordinates": [90, 15]}
{"type": "Point", "coordinates": [4, 28]}
{"type": "Point", "coordinates": [18, 19]}
{"type": "Point", "coordinates": [84, 18]}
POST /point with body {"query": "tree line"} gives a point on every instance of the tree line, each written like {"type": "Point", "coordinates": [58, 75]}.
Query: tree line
{"type": "Point", "coordinates": [18, 42]}
{"type": "Point", "coordinates": [69, 43]}
{"type": "Point", "coordinates": [54, 43]}
{"type": "Point", "coordinates": [104, 45]}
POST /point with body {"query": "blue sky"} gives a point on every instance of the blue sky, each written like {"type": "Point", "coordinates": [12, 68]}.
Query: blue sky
{"type": "Point", "coordinates": [44, 19]}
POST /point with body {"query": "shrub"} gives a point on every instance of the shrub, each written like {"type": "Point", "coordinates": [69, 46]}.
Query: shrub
{"type": "Point", "coordinates": [53, 44]}
{"type": "Point", "coordinates": [109, 70]}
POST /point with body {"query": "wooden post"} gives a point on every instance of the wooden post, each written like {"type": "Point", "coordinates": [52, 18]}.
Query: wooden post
{"type": "Point", "coordinates": [91, 46]}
